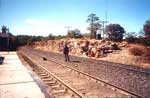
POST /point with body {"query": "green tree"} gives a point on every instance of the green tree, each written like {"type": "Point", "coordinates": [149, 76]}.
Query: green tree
{"type": "Point", "coordinates": [4, 29]}
{"type": "Point", "coordinates": [51, 36]}
{"type": "Point", "coordinates": [115, 32]}
{"type": "Point", "coordinates": [131, 37]}
{"type": "Point", "coordinates": [146, 28]}
{"type": "Point", "coordinates": [74, 33]}
{"type": "Point", "coordinates": [94, 24]}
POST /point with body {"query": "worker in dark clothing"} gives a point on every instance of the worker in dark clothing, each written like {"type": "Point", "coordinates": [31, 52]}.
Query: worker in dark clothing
{"type": "Point", "coordinates": [66, 52]}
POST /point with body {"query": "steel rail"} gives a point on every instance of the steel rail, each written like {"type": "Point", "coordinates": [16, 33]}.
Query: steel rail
{"type": "Point", "coordinates": [115, 65]}
{"type": "Point", "coordinates": [95, 78]}
{"type": "Point", "coordinates": [54, 76]}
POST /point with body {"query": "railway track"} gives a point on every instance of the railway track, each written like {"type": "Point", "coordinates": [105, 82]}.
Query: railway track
{"type": "Point", "coordinates": [131, 78]}
{"type": "Point", "coordinates": [60, 89]}
{"type": "Point", "coordinates": [92, 60]}
{"type": "Point", "coordinates": [111, 64]}
{"type": "Point", "coordinates": [45, 74]}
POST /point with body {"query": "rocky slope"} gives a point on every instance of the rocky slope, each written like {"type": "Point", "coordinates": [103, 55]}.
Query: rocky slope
{"type": "Point", "coordinates": [97, 49]}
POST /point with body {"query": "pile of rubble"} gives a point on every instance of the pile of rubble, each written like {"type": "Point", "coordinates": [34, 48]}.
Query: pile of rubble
{"type": "Point", "coordinates": [84, 47]}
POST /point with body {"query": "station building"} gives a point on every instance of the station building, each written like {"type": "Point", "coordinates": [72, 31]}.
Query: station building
{"type": "Point", "coordinates": [4, 41]}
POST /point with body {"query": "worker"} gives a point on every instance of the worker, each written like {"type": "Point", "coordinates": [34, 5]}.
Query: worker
{"type": "Point", "coordinates": [66, 52]}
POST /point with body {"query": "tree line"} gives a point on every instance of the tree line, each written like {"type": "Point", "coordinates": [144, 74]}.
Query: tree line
{"type": "Point", "coordinates": [115, 32]}
{"type": "Point", "coordinates": [12, 42]}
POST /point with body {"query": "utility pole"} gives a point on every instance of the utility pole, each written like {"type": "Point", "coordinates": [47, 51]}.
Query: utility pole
{"type": "Point", "coordinates": [103, 24]}
{"type": "Point", "coordinates": [106, 17]}
{"type": "Point", "coordinates": [68, 27]}
{"type": "Point", "coordinates": [106, 9]}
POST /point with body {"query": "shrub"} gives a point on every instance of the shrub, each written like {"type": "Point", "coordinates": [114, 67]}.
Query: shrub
{"type": "Point", "coordinates": [142, 51]}
{"type": "Point", "coordinates": [131, 39]}
{"type": "Point", "coordinates": [146, 28]}
{"type": "Point", "coordinates": [147, 52]}
{"type": "Point", "coordinates": [74, 34]}
{"type": "Point", "coordinates": [147, 41]}
{"type": "Point", "coordinates": [137, 50]}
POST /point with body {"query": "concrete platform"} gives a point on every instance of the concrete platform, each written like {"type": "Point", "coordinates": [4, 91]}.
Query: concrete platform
{"type": "Point", "coordinates": [15, 81]}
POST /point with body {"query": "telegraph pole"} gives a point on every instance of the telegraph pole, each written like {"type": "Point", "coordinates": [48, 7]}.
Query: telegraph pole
{"type": "Point", "coordinates": [103, 24]}
{"type": "Point", "coordinates": [106, 9]}
{"type": "Point", "coordinates": [106, 17]}
{"type": "Point", "coordinates": [68, 28]}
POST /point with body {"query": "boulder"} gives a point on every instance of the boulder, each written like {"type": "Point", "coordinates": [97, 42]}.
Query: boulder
{"type": "Point", "coordinates": [88, 47]}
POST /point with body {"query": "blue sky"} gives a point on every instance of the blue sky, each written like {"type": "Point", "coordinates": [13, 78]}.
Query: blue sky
{"type": "Point", "coordinates": [42, 17]}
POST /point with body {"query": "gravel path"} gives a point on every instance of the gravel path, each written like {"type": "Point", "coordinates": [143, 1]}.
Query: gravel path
{"type": "Point", "coordinates": [134, 81]}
